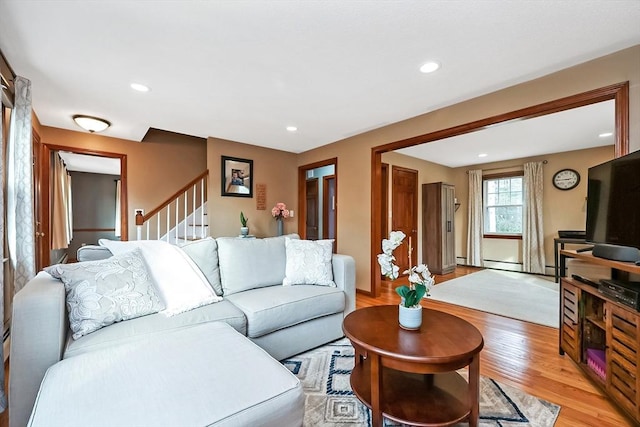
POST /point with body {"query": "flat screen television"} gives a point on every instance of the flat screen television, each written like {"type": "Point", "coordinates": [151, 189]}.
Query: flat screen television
{"type": "Point", "coordinates": [613, 208]}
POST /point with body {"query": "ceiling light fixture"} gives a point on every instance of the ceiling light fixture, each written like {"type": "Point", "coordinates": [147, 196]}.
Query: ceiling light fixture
{"type": "Point", "coordinates": [292, 128]}
{"type": "Point", "coordinates": [140, 87]}
{"type": "Point", "coordinates": [605, 134]}
{"type": "Point", "coordinates": [91, 124]}
{"type": "Point", "coordinates": [429, 67]}
{"type": "Point", "coordinates": [483, 155]}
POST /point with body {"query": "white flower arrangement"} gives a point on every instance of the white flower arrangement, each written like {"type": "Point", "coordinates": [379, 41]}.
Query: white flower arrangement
{"type": "Point", "coordinates": [420, 278]}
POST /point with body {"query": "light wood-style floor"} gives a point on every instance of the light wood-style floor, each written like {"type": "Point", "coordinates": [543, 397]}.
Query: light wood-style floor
{"type": "Point", "coordinates": [520, 354]}
{"type": "Point", "coordinates": [525, 355]}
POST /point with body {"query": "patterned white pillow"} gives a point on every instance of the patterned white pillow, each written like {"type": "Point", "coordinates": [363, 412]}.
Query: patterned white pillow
{"type": "Point", "coordinates": [309, 262]}
{"type": "Point", "coordinates": [100, 293]}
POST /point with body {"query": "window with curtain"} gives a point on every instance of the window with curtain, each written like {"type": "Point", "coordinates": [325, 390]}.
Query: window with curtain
{"type": "Point", "coordinates": [503, 205]}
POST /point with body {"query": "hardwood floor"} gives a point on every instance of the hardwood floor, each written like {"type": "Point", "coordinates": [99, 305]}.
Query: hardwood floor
{"type": "Point", "coordinates": [525, 355]}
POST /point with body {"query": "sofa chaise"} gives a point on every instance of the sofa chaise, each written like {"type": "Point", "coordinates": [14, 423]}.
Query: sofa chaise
{"type": "Point", "coordinates": [269, 299]}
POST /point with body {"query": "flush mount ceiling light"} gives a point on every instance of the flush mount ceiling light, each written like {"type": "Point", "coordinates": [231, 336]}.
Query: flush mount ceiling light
{"type": "Point", "coordinates": [429, 67]}
{"type": "Point", "coordinates": [140, 87]}
{"type": "Point", "coordinates": [606, 134]}
{"type": "Point", "coordinates": [292, 128]}
{"type": "Point", "coordinates": [91, 124]}
{"type": "Point", "coordinates": [482, 155]}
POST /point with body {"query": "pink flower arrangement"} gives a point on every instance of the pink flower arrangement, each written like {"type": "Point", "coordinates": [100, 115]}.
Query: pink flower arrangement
{"type": "Point", "coordinates": [280, 211]}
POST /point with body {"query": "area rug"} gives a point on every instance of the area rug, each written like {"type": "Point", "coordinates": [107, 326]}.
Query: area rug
{"type": "Point", "coordinates": [517, 295]}
{"type": "Point", "coordinates": [324, 373]}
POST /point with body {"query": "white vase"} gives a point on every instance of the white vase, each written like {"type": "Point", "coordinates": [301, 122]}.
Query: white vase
{"type": "Point", "coordinates": [280, 227]}
{"type": "Point", "coordinates": [410, 317]}
{"type": "Point", "coordinates": [244, 231]}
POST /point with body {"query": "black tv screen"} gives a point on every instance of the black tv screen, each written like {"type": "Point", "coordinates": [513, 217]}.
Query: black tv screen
{"type": "Point", "coordinates": [613, 202]}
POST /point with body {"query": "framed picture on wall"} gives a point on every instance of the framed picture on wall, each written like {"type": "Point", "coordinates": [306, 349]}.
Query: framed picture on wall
{"type": "Point", "coordinates": [237, 177]}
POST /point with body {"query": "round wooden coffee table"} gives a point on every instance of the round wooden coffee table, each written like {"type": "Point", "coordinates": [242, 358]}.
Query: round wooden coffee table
{"type": "Point", "coordinates": [410, 376]}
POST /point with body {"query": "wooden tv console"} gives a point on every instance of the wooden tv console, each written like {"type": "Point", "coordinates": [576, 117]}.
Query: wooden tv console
{"type": "Point", "coordinates": [594, 324]}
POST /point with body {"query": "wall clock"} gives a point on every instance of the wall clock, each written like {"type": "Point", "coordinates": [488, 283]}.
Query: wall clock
{"type": "Point", "coordinates": [566, 179]}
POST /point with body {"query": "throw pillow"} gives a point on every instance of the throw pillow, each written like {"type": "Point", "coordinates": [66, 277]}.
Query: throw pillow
{"type": "Point", "coordinates": [106, 291]}
{"type": "Point", "coordinates": [309, 262]}
{"type": "Point", "coordinates": [182, 285]}
{"type": "Point", "coordinates": [204, 253]}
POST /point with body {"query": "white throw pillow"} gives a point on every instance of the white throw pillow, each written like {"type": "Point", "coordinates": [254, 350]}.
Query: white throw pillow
{"type": "Point", "coordinates": [309, 262]}
{"type": "Point", "coordinates": [181, 283]}
{"type": "Point", "coordinates": [106, 291]}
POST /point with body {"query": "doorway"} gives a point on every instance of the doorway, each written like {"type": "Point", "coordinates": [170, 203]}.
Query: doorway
{"type": "Point", "coordinates": [43, 190]}
{"type": "Point", "coordinates": [318, 199]}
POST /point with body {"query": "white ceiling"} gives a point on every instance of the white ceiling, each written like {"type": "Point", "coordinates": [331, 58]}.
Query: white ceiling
{"type": "Point", "coordinates": [88, 163]}
{"type": "Point", "coordinates": [244, 70]}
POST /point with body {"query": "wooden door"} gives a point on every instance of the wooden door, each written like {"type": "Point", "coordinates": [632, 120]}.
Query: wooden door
{"type": "Point", "coordinates": [404, 216]}
{"type": "Point", "coordinates": [448, 244]}
{"type": "Point", "coordinates": [41, 222]}
{"type": "Point", "coordinates": [312, 223]}
{"type": "Point", "coordinates": [570, 336]}
{"type": "Point", "coordinates": [329, 207]}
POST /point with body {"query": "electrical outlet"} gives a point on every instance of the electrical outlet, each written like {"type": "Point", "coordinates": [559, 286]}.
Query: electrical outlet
{"type": "Point", "coordinates": [292, 214]}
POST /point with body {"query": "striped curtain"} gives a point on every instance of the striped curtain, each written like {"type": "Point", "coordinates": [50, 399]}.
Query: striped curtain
{"type": "Point", "coordinates": [3, 396]}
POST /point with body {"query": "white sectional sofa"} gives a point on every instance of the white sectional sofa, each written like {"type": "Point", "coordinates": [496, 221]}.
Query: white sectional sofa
{"type": "Point", "coordinates": [255, 321]}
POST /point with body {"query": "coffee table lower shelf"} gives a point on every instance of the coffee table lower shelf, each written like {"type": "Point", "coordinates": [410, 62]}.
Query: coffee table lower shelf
{"type": "Point", "coordinates": [417, 399]}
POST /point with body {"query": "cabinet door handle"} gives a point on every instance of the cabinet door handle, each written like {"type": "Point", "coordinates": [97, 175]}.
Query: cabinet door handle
{"type": "Point", "coordinates": [448, 226]}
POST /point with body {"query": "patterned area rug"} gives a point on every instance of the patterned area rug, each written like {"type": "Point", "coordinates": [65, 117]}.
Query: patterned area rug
{"type": "Point", "coordinates": [324, 373]}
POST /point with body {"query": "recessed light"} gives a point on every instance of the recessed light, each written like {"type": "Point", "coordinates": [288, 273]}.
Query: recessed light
{"type": "Point", "coordinates": [140, 87]}
{"type": "Point", "coordinates": [483, 155]}
{"type": "Point", "coordinates": [429, 67]}
{"type": "Point", "coordinates": [292, 128]}
{"type": "Point", "coordinates": [605, 134]}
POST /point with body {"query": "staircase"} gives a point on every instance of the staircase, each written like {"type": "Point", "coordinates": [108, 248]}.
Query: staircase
{"type": "Point", "coordinates": [180, 218]}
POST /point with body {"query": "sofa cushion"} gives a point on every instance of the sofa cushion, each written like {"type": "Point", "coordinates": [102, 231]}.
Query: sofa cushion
{"type": "Point", "coordinates": [100, 293]}
{"type": "Point", "coordinates": [308, 262]}
{"type": "Point", "coordinates": [181, 283]}
{"type": "Point", "coordinates": [278, 307]}
{"type": "Point", "coordinates": [204, 253]}
{"type": "Point", "coordinates": [250, 263]}
{"type": "Point", "coordinates": [143, 327]}
{"type": "Point", "coordinates": [204, 375]}
{"type": "Point", "coordinates": [92, 253]}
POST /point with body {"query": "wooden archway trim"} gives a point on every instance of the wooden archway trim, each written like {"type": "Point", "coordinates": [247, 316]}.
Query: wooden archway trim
{"type": "Point", "coordinates": [44, 183]}
{"type": "Point", "coordinates": [618, 92]}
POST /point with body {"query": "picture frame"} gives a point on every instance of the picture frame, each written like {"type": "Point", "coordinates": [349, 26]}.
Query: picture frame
{"type": "Point", "coordinates": [236, 177]}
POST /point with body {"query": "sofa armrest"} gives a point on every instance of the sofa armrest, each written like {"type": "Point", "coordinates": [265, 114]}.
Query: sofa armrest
{"type": "Point", "coordinates": [38, 334]}
{"type": "Point", "coordinates": [344, 275]}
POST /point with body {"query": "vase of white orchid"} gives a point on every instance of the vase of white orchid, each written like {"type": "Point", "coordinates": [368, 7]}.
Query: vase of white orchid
{"type": "Point", "coordinates": [420, 281]}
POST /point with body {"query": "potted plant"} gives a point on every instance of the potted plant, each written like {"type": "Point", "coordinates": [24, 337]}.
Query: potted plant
{"type": "Point", "coordinates": [244, 230]}
{"type": "Point", "coordinates": [420, 281]}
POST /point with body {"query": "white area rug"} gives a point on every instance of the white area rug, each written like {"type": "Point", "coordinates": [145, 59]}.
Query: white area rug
{"type": "Point", "coordinates": [517, 295]}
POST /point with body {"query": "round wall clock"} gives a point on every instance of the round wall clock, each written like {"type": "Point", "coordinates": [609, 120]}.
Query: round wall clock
{"type": "Point", "coordinates": [566, 179]}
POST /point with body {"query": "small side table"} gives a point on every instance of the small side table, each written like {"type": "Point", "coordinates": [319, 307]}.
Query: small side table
{"type": "Point", "coordinates": [559, 262]}
{"type": "Point", "coordinates": [410, 376]}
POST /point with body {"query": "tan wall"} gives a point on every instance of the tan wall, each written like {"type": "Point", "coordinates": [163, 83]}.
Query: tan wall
{"type": "Point", "coordinates": [354, 219]}
{"type": "Point", "coordinates": [277, 169]}
{"type": "Point", "coordinates": [562, 210]}
{"type": "Point", "coordinates": [155, 170]}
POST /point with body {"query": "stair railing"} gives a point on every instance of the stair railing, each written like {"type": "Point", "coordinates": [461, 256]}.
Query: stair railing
{"type": "Point", "coordinates": [180, 217]}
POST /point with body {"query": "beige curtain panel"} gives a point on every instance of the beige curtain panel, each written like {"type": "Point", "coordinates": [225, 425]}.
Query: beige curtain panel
{"type": "Point", "coordinates": [476, 219]}
{"type": "Point", "coordinates": [532, 227]}
{"type": "Point", "coordinates": [60, 205]}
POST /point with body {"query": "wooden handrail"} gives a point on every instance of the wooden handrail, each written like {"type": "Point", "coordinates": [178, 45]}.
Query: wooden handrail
{"type": "Point", "coordinates": [141, 219]}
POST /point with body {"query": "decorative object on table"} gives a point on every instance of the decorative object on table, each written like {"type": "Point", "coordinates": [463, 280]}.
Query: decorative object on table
{"type": "Point", "coordinates": [244, 230]}
{"type": "Point", "coordinates": [566, 179]}
{"type": "Point", "coordinates": [237, 177]}
{"type": "Point", "coordinates": [280, 212]}
{"type": "Point", "coordinates": [420, 281]}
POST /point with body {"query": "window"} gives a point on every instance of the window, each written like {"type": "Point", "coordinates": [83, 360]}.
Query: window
{"type": "Point", "coordinates": [502, 204]}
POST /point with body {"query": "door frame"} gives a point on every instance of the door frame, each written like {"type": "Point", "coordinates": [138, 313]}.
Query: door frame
{"type": "Point", "coordinates": [618, 92]}
{"type": "Point", "coordinates": [45, 191]}
{"type": "Point", "coordinates": [302, 194]}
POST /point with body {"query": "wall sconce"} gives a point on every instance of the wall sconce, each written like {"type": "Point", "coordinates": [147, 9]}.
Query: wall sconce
{"type": "Point", "coordinates": [91, 124]}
